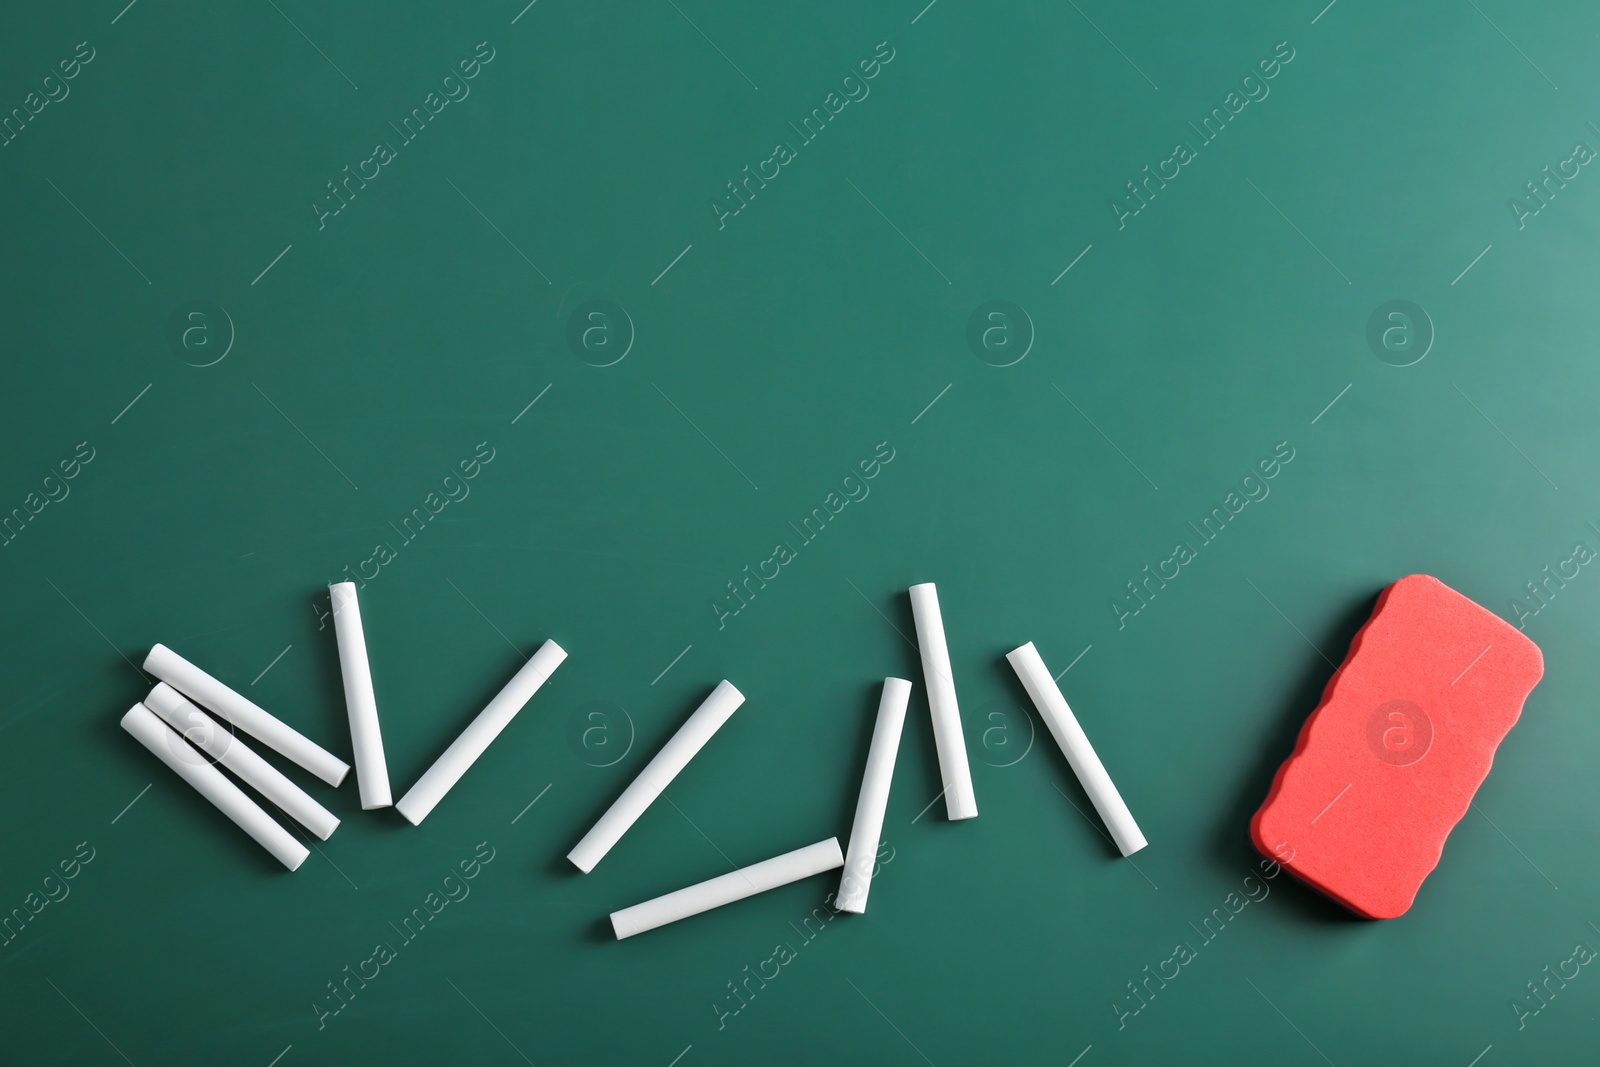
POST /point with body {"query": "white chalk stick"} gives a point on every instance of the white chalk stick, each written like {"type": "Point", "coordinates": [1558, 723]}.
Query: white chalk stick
{"type": "Point", "coordinates": [1075, 745]}
{"type": "Point", "coordinates": [657, 775]}
{"type": "Point", "coordinates": [465, 750]}
{"type": "Point", "coordinates": [959, 802]}
{"type": "Point", "coordinates": [862, 853]}
{"type": "Point", "coordinates": [212, 784]}
{"type": "Point", "coordinates": [205, 733]}
{"type": "Point", "coordinates": [372, 772]}
{"type": "Point", "coordinates": [725, 889]}
{"type": "Point", "coordinates": [276, 734]}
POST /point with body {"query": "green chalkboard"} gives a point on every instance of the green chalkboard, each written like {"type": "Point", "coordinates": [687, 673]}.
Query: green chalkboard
{"type": "Point", "coordinates": [668, 278]}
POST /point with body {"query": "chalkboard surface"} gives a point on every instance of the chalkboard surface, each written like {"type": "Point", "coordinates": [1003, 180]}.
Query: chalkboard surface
{"type": "Point", "coordinates": [690, 335]}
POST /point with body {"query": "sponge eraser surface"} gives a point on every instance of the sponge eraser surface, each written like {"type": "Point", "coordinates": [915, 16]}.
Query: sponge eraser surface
{"type": "Point", "coordinates": [1389, 761]}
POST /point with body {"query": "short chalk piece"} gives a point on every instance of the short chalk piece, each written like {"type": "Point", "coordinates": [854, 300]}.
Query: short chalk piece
{"type": "Point", "coordinates": [959, 802]}
{"type": "Point", "coordinates": [725, 889]}
{"type": "Point", "coordinates": [214, 740]}
{"type": "Point", "coordinates": [192, 767]}
{"type": "Point", "coordinates": [271, 731]}
{"type": "Point", "coordinates": [366, 739]}
{"type": "Point", "coordinates": [862, 854]}
{"type": "Point", "coordinates": [674, 756]}
{"type": "Point", "coordinates": [464, 751]}
{"type": "Point", "coordinates": [1405, 734]}
{"type": "Point", "coordinates": [1074, 743]}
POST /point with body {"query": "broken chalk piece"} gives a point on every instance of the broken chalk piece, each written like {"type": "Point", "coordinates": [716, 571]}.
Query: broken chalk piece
{"type": "Point", "coordinates": [464, 751]}
{"type": "Point", "coordinates": [212, 784]}
{"type": "Point", "coordinates": [204, 732]}
{"type": "Point", "coordinates": [657, 775]}
{"type": "Point", "coordinates": [273, 732]}
{"type": "Point", "coordinates": [1404, 735]}
{"type": "Point", "coordinates": [372, 772]}
{"type": "Point", "coordinates": [727, 888]}
{"type": "Point", "coordinates": [959, 803]}
{"type": "Point", "coordinates": [862, 853]}
{"type": "Point", "coordinates": [1057, 715]}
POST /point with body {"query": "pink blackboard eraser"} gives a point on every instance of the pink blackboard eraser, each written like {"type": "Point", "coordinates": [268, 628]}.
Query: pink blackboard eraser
{"type": "Point", "coordinates": [1405, 734]}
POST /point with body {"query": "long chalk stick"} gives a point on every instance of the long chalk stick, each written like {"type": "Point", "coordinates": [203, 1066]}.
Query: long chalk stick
{"type": "Point", "coordinates": [276, 734]}
{"type": "Point", "coordinates": [212, 784]}
{"type": "Point", "coordinates": [465, 750]}
{"type": "Point", "coordinates": [725, 889]}
{"type": "Point", "coordinates": [657, 775]}
{"type": "Point", "coordinates": [215, 740]}
{"type": "Point", "coordinates": [862, 854]}
{"type": "Point", "coordinates": [959, 803]}
{"type": "Point", "coordinates": [372, 772]}
{"type": "Point", "coordinates": [1074, 743]}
